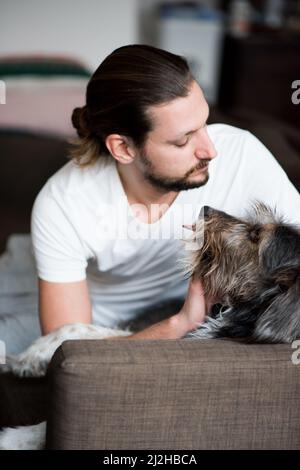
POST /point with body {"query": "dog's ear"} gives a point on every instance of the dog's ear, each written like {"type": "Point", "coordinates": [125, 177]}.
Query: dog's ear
{"type": "Point", "coordinates": [280, 321]}
{"type": "Point", "coordinates": [285, 276]}
{"type": "Point", "coordinates": [282, 253]}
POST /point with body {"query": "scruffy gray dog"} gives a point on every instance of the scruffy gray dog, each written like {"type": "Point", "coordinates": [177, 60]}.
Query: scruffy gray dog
{"type": "Point", "coordinates": [251, 265]}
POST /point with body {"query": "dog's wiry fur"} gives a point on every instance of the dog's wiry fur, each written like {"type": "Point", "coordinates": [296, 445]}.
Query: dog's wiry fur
{"type": "Point", "coordinates": [33, 362]}
{"type": "Point", "coordinates": [251, 265]}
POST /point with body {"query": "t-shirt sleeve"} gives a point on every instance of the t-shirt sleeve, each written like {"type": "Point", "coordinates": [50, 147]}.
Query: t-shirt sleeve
{"type": "Point", "coordinates": [57, 248]}
{"type": "Point", "coordinates": [265, 180]}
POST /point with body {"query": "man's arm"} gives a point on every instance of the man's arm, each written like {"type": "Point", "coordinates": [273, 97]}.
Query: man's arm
{"type": "Point", "coordinates": [191, 315]}
{"type": "Point", "coordinates": [61, 303]}
{"type": "Point", "coordinates": [174, 327]}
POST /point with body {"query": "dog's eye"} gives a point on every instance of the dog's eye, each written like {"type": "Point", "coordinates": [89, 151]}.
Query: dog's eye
{"type": "Point", "coordinates": [254, 234]}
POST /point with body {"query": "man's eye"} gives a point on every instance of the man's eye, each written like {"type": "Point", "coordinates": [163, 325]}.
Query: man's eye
{"type": "Point", "coordinates": [182, 145]}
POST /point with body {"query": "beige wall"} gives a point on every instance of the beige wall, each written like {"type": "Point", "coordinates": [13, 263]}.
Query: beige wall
{"type": "Point", "coordinates": [88, 29]}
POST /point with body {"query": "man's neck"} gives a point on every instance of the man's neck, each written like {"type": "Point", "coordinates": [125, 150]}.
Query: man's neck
{"type": "Point", "coordinates": [141, 192]}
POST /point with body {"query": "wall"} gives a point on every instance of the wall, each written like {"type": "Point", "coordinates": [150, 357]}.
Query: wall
{"type": "Point", "coordinates": [89, 30]}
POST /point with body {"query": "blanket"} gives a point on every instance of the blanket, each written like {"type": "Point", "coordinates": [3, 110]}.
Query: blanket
{"type": "Point", "coordinates": [19, 323]}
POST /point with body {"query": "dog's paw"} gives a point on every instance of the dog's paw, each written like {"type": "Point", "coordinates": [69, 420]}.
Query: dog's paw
{"type": "Point", "coordinates": [26, 366]}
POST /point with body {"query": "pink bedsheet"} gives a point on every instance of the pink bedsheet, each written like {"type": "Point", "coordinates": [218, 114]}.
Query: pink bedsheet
{"type": "Point", "coordinates": [42, 104]}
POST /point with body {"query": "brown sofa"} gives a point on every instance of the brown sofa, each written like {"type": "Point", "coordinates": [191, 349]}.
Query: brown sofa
{"type": "Point", "coordinates": [173, 394]}
{"type": "Point", "coordinates": [183, 394]}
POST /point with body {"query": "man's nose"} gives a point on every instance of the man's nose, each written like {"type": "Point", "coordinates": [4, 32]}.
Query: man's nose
{"type": "Point", "coordinates": [205, 147]}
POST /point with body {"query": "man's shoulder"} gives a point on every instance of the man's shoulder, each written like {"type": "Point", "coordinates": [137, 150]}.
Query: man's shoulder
{"type": "Point", "coordinates": [232, 142]}
{"type": "Point", "coordinates": [226, 130]}
{"type": "Point", "coordinates": [71, 179]}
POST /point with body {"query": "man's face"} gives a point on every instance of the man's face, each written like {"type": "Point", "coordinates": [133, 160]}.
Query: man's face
{"type": "Point", "coordinates": [178, 149]}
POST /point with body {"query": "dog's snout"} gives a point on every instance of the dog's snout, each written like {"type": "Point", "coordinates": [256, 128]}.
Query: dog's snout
{"type": "Point", "coordinates": [207, 212]}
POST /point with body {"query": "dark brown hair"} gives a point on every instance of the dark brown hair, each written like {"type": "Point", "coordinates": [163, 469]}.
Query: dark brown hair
{"type": "Point", "coordinates": [118, 96]}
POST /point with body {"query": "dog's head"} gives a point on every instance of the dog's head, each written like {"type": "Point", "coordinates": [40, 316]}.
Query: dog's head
{"type": "Point", "coordinates": [254, 260]}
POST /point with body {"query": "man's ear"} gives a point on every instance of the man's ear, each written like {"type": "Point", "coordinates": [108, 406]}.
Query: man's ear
{"type": "Point", "coordinates": [121, 148]}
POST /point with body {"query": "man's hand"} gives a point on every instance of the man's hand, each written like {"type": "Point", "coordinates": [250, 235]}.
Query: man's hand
{"type": "Point", "coordinates": [196, 306]}
{"type": "Point", "coordinates": [192, 314]}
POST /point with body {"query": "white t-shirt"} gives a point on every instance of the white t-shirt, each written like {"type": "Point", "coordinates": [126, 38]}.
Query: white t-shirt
{"type": "Point", "coordinates": [84, 228]}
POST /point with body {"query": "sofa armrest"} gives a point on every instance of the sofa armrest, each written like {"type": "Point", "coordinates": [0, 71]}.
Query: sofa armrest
{"type": "Point", "coordinates": [173, 394]}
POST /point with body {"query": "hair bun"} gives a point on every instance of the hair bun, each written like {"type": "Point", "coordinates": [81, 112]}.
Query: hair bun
{"type": "Point", "coordinates": [80, 122]}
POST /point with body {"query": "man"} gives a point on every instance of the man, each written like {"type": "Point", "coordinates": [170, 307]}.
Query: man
{"type": "Point", "coordinates": [145, 152]}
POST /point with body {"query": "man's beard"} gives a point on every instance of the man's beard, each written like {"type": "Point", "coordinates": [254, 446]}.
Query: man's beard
{"type": "Point", "coordinates": [172, 184]}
